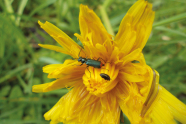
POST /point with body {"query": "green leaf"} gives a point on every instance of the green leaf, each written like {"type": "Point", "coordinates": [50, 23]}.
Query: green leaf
{"type": "Point", "coordinates": [5, 90]}
{"type": "Point", "coordinates": [182, 54]}
{"type": "Point", "coordinates": [15, 92]}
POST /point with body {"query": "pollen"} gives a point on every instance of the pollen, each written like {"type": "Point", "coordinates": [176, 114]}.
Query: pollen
{"type": "Point", "coordinates": [97, 85]}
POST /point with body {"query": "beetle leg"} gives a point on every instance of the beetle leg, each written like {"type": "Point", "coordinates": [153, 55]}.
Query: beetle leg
{"type": "Point", "coordinates": [79, 65]}
{"type": "Point", "coordinates": [101, 59]}
{"type": "Point", "coordinates": [89, 70]}
{"type": "Point", "coordinates": [98, 58]}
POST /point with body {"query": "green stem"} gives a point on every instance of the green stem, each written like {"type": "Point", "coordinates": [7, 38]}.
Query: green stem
{"type": "Point", "coordinates": [20, 11]}
{"type": "Point", "coordinates": [9, 9]}
{"type": "Point", "coordinates": [107, 3]}
{"type": "Point", "coordinates": [21, 81]}
{"type": "Point", "coordinates": [58, 11]}
{"type": "Point", "coordinates": [106, 21]}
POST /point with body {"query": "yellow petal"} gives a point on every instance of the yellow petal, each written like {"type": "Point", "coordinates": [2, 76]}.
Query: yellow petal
{"type": "Point", "coordinates": [70, 106]}
{"type": "Point", "coordinates": [121, 90]}
{"type": "Point", "coordinates": [127, 40]}
{"type": "Point", "coordinates": [90, 22]}
{"type": "Point", "coordinates": [50, 68]}
{"type": "Point", "coordinates": [160, 107]}
{"type": "Point", "coordinates": [70, 68]}
{"type": "Point", "coordinates": [78, 106]}
{"type": "Point", "coordinates": [165, 109]}
{"type": "Point", "coordinates": [153, 91]}
{"type": "Point", "coordinates": [137, 88]}
{"type": "Point", "coordinates": [39, 88]}
{"type": "Point", "coordinates": [64, 40]}
{"type": "Point", "coordinates": [111, 109]}
{"type": "Point", "coordinates": [135, 27]}
{"type": "Point", "coordinates": [175, 106]}
{"type": "Point", "coordinates": [55, 48]}
{"type": "Point", "coordinates": [134, 68]}
{"type": "Point", "coordinates": [64, 82]}
{"type": "Point", "coordinates": [134, 55]}
{"type": "Point", "coordinates": [130, 77]}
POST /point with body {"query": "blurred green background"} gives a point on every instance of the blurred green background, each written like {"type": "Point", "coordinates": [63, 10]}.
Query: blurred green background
{"type": "Point", "coordinates": [21, 59]}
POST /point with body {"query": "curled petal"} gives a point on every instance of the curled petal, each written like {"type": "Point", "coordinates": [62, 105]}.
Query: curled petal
{"type": "Point", "coordinates": [68, 73]}
{"type": "Point", "coordinates": [69, 67]}
{"type": "Point", "coordinates": [64, 40]}
{"type": "Point", "coordinates": [130, 77]}
{"type": "Point", "coordinates": [138, 91]}
{"type": "Point", "coordinates": [135, 27]}
{"type": "Point", "coordinates": [110, 108]}
{"type": "Point", "coordinates": [165, 109]}
{"type": "Point", "coordinates": [55, 48]}
{"type": "Point", "coordinates": [50, 68]}
{"type": "Point", "coordinates": [134, 55]}
{"type": "Point", "coordinates": [90, 22]}
{"type": "Point", "coordinates": [64, 82]}
{"type": "Point", "coordinates": [122, 90]}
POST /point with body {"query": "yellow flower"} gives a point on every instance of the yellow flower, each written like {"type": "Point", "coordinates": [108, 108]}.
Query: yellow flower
{"type": "Point", "coordinates": [133, 87]}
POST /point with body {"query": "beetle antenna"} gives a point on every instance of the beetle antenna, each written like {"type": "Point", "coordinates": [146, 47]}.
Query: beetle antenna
{"type": "Point", "coordinates": [79, 51]}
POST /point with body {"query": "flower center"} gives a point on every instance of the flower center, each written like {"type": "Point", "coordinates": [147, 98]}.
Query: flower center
{"type": "Point", "coordinates": [100, 80]}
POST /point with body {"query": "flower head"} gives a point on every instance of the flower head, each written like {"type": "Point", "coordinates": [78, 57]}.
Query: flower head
{"type": "Point", "coordinates": [133, 87]}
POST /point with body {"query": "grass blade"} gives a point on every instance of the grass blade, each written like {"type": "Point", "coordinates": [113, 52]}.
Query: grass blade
{"type": "Point", "coordinates": [14, 72]}
{"type": "Point", "coordinates": [20, 11]}
{"type": "Point", "coordinates": [170, 20]}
